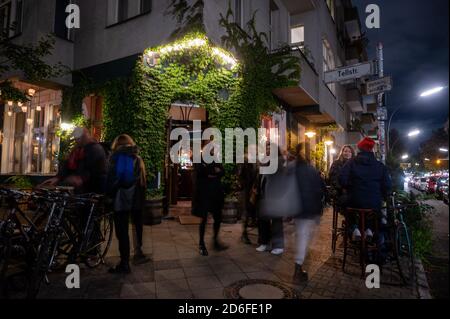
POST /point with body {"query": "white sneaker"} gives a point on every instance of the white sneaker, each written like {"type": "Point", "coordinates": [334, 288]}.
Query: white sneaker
{"type": "Point", "coordinates": [356, 235]}
{"type": "Point", "coordinates": [277, 251]}
{"type": "Point", "coordinates": [369, 234]}
{"type": "Point", "coordinates": [262, 248]}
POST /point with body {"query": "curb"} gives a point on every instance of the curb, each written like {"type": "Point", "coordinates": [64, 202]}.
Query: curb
{"type": "Point", "coordinates": [422, 287]}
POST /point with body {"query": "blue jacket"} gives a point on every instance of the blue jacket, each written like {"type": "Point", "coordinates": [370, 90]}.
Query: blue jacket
{"type": "Point", "coordinates": [366, 180]}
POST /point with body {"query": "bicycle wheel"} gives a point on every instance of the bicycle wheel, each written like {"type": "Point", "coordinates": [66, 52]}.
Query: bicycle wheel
{"type": "Point", "coordinates": [42, 264]}
{"type": "Point", "coordinates": [99, 241]}
{"type": "Point", "coordinates": [404, 254]}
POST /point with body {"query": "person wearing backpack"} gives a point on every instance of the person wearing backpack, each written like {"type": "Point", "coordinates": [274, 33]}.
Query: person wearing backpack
{"type": "Point", "coordinates": [126, 187]}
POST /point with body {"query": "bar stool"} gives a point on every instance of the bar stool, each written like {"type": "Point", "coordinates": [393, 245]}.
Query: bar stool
{"type": "Point", "coordinates": [336, 231]}
{"type": "Point", "coordinates": [363, 215]}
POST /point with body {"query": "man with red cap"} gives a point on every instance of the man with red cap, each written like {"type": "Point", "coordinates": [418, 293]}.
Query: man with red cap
{"type": "Point", "coordinates": [366, 181]}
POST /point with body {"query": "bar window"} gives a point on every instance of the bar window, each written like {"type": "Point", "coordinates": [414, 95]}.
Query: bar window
{"type": "Point", "coordinates": [298, 35]}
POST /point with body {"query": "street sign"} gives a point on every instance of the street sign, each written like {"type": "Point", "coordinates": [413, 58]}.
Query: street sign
{"type": "Point", "coordinates": [348, 73]}
{"type": "Point", "coordinates": [379, 86]}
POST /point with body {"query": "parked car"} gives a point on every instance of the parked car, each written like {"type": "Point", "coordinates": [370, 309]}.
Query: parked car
{"type": "Point", "coordinates": [445, 193]}
{"type": "Point", "coordinates": [423, 184]}
{"type": "Point", "coordinates": [441, 182]}
{"type": "Point", "coordinates": [431, 185]}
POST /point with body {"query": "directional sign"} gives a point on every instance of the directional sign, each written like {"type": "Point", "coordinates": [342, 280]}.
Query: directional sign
{"type": "Point", "coordinates": [348, 73]}
{"type": "Point", "coordinates": [379, 86]}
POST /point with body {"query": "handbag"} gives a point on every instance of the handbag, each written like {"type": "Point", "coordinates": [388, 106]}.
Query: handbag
{"type": "Point", "coordinates": [124, 199]}
{"type": "Point", "coordinates": [282, 196]}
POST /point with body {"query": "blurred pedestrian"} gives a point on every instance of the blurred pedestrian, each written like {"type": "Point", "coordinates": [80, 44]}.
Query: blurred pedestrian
{"type": "Point", "coordinates": [127, 185]}
{"type": "Point", "coordinates": [85, 169]}
{"type": "Point", "coordinates": [208, 198]}
{"type": "Point", "coordinates": [270, 229]}
{"type": "Point", "coordinates": [248, 177]}
{"type": "Point", "coordinates": [312, 190]}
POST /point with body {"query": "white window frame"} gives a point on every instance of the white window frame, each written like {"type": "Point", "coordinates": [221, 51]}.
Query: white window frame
{"type": "Point", "coordinates": [300, 44]}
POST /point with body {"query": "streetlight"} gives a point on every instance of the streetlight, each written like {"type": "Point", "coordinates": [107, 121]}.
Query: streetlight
{"type": "Point", "coordinates": [443, 150]}
{"type": "Point", "coordinates": [426, 93]}
{"type": "Point", "coordinates": [432, 91]}
{"type": "Point", "coordinates": [406, 156]}
{"type": "Point", "coordinates": [414, 133]}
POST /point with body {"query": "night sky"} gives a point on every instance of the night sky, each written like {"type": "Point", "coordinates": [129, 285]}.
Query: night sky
{"type": "Point", "coordinates": [415, 38]}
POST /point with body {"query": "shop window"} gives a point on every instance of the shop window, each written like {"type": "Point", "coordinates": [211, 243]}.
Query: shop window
{"type": "Point", "coordinates": [61, 29]}
{"type": "Point", "coordinates": [11, 17]}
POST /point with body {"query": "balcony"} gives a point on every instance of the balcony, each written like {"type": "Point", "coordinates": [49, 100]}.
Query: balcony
{"type": "Point", "coordinates": [368, 122]}
{"type": "Point", "coordinates": [306, 94]}
{"type": "Point", "coordinates": [354, 100]}
{"type": "Point", "coordinates": [298, 6]}
{"type": "Point", "coordinates": [352, 23]}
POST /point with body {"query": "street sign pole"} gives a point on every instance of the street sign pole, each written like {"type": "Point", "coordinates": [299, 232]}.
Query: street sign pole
{"type": "Point", "coordinates": [381, 110]}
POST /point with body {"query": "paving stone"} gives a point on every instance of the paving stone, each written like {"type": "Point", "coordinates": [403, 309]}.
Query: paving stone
{"type": "Point", "coordinates": [169, 274]}
{"type": "Point", "coordinates": [205, 282]}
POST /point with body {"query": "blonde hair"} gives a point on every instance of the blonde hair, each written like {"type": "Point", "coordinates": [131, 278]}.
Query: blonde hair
{"type": "Point", "coordinates": [127, 140]}
{"type": "Point", "coordinates": [341, 154]}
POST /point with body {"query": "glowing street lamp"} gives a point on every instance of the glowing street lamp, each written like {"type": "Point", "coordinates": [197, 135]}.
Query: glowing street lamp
{"type": "Point", "coordinates": [444, 150]}
{"type": "Point", "coordinates": [432, 91]}
{"type": "Point", "coordinates": [427, 160]}
{"type": "Point", "coordinates": [406, 156]}
{"type": "Point", "coordinates": [414, 133]}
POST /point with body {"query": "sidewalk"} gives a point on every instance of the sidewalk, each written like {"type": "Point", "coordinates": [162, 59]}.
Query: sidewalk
{"type": "Point", "coordinates": [177, 271]}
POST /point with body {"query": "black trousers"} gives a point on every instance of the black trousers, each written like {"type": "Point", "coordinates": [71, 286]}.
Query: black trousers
{"type": "Point", "coordinates": [121, 224]}
{"type": "Point", "coordinates": [216, 227]}
{"type": "Point", "coordinates": [271, 231]}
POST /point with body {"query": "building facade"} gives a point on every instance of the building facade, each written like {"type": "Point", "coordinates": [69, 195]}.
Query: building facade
{"type": "Point", "coordinates": [324, 34]}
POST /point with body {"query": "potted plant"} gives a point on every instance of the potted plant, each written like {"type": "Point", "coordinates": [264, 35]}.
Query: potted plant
{"type": "Point", "coordinates": [230, 211]}
{"type": "Point", "coordinates": [19, 182]}
{"type": "Point", "coordinates": [153, 207]}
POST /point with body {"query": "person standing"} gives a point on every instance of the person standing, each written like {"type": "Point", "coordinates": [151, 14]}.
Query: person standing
{"type": "Point", "coordinates": [248, 176]}
{"type": "Point", "coordinates": [86, 166]}
{"type": "Point", "coordinates": [312, 190]}
{"type": "Point", "coordinates": [208, 197]}
{"type": "Point", "coordinates": [127, 186]}
{"type": "Point", "coordinates": [367, 182]}
{"type": "Point", "coordinates": [270, 229]}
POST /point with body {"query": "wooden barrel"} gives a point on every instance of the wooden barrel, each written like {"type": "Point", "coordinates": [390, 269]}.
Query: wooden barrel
{"type": "Point", "coordinates": [153, 212]}
{"type": "Point", "coordinates": [230, 212]}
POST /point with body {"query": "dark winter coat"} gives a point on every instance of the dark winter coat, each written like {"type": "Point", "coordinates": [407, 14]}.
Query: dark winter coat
{"type": "Point", "coordinates": [366, 180]}
{"type": "Point", "coordinates": [208, 190]}
{"type": "Point", "coordinates": [114, 183]}
{"type": "Point", "coordinates": [336, 191]}
{"type": "Point", "coordinates": [88, 162]}
{"type": "Point", "coordinates": [312, 190]}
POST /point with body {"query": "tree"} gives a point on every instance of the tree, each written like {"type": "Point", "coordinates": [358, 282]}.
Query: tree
{"type": "Point", "coordinates": [430, 149]}
{"type": "Point", "coordinates": [27, 58]}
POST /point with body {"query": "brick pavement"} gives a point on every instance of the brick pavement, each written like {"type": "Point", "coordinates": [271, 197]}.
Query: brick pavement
{"type": "Point", "coordinates": [177, 271]}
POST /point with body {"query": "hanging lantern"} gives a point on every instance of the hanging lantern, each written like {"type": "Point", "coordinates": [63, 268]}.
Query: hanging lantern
{"type": "Point", "coordinates": [29, 121]}
{"type": "Point", "coordinates": [10, 113]}
{"type": "Point", "coordinates": [310, 134]}
{"type": "Point", "coordinates": [24, 109]}
{"type": "Point", "coordinates": [10, 103]}
{"type": "Point", "coordinates": [31, 92]}
{"type": "Point", "coordinates": [38, 108]}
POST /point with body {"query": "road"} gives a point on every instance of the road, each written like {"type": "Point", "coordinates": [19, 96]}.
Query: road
{"type": "Point", "coordinates": [436, 266]}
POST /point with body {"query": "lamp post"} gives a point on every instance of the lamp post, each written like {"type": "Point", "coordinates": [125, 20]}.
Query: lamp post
{"type": "Point", "coordinates": [424, 94]}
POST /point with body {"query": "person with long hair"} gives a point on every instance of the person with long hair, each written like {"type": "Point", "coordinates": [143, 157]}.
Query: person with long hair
{"type": "Point", "coordinates": [337, 192]}
{"type": "Point", "coordinates": [127, 184]}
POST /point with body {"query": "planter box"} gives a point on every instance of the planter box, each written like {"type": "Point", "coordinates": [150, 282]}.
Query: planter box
{"type": "Point", "coordinates": [153, 211]}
